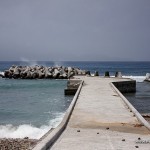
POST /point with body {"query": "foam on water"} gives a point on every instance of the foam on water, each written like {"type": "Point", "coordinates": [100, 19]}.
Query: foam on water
{"type": "Point", "coordinates": [26, 130]}
{"type": "Point", "coordinates": [2, 73]}
{"type": "Point", "coordinates": [137, 78]}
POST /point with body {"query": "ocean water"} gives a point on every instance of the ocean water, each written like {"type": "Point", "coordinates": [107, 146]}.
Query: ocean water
{"type": "Point", "coordinates": [141, 99]}
{"type": "Point", "coordinates": [32, 107]}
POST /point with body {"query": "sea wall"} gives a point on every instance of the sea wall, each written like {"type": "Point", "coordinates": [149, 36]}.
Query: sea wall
{"type": "Point", "coordinates": [131, 107]}
{"type": "Point", "coordinates": [126, 86]}
{"type": "Point", "coordinates": [49, 139]}
{"type": "Point", "coordinates": [41, 72]}
{"type": "Point", "coordinates": [72, 87]}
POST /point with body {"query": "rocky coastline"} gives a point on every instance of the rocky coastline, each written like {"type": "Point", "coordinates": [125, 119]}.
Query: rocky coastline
{"type": "Point", "coordinates": [17, 144]}
{"type": "Point", "coordinates": [42, 72]}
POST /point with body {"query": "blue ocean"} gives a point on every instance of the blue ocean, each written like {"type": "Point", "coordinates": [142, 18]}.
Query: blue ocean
{"type": "Point", "coordinates": [29, 108]}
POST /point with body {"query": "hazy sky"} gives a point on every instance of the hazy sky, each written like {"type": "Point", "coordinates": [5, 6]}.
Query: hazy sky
{"type": "Point", "coordinates": [98, 30]}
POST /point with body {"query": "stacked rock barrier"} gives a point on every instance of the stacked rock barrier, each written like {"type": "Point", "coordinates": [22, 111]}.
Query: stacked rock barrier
{"type": "Point", "coordinates": [42, 72]}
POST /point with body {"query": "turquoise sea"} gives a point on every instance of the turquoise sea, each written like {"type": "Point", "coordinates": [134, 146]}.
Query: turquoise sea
{"type": "Point", "coordinates": [29, 108]}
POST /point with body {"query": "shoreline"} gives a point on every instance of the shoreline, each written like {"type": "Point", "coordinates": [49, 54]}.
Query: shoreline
{"type": "Point", "coordinates": [17, 143]}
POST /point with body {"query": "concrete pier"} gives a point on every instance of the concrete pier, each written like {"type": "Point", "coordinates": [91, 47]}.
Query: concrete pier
{"type": "Point", "coordinates": [101, 120]}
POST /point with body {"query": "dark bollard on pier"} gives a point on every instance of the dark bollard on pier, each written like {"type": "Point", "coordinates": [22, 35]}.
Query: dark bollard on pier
{"type": "Point", "coordinates": [96, 73]}
{"type": "Point", "coordinates": [107, 74]}
{"type": "Point", "coordinates": [88, 73]}
{"type": "Point", "coordinates": [118, 75]}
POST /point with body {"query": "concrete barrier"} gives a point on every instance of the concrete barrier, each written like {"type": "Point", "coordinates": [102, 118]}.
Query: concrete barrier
{"type": "Point", "coordinates": [129, 105]}
{"type": "Point", "coordinates": [106, 74]}
{"type": "Point", "coordinates": [96, 73]}
{"type": "Point", "coordinates": [53, 136]}
{"type": "Point", "coordinates": [72, 87]}
{"type": "Point", "coordinates": [118, 75]}
{"type": "Point", "coordinates": [126, 86]}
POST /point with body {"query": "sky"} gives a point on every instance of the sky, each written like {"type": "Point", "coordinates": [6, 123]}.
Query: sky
{"type": "Point", "coordinates": [75, 30]}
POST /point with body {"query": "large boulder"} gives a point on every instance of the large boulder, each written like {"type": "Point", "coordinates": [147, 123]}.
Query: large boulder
{"type": "Point", "coordinates": [7, 74]}
{"type": "Point", "coordinates": [41, 75]}
{"type": "Point", "coordinates": [16, 73]}
{"type": "Point", "coordinates": [47, 73]}
{"type": "Point", "coordinates": [34, 75]}
{"type": "Point", "coordinates": [56, 74]}
{"type": "Point", "coordinates": [70, 74]}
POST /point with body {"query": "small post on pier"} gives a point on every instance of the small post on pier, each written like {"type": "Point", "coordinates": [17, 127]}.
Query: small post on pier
{"type": "Point", "coordinates": [96, 73]}
{"type": "Point", "coordinates": [107, 74]}
{"type": "Point", "coordinates": [118, 74]}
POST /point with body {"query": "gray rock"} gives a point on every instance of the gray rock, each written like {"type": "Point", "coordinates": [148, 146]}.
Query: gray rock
{"type": "Point", "coordinates": [70, 74]}
{"type": "Point", "coordinates": [47, 73]}
{"type": "Point", "coordinates": [35, 75]}
{"type": "Point", "coordinates": [64, 75]}
{"type": "Point", "coordinates": [56, 74]}
{"type": "Point", "coordinates": [40, 72]}
{"type": "Point", "coordinates": [29, 75]}
{"type": "Point", "coordinates": [16, 73]}
{"type": "Point", "coordinates": [7, 74]}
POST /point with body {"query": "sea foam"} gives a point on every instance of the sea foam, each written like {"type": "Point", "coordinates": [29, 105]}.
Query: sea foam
{"type": "Point", "coordinates": [26, 130]}
{"type": "Point", "coordinates": [1, 73]}
{"type": "Point", "coordinates": [137, 78]}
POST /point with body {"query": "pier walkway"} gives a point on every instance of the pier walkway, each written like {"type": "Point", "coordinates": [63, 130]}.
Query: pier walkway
{"type": "Point", "coordinates": [101, 120]}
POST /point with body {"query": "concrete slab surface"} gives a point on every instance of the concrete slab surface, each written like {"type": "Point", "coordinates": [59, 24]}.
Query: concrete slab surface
{"type": "Point", "coordinates": [98, 139]}
{"type": "Point", "coordinates": [101, 120]}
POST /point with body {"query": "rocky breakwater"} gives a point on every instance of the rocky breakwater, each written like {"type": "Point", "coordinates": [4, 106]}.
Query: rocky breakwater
{"type": "Point", "coordinates": [42, 72]}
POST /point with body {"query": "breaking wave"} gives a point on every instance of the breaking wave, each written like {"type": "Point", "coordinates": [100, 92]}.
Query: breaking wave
{"type": "Point", "coordinates": [26, 130]}
{"type": "Point", "coordinates": [1, 73]}
{"type": "Point", "coordinates": [137, 78]}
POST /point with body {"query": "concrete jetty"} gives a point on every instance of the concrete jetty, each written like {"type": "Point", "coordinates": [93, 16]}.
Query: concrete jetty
{"type": "Point", "coordinates": [102, 119]}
